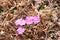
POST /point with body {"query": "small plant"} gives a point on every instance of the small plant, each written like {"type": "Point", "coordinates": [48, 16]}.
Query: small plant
{"type": "Point", "coordinates": [28, 20]}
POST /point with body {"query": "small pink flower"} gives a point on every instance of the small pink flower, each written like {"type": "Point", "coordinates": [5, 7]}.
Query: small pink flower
{"type": "Point", "coordinates": [29, 20]}
{"type": "Point", "coordinates": [20, 22]}
{"type": "Point", "coordinates": [36, 19]}
{"type": "Point", "coordinates": [20, 30]}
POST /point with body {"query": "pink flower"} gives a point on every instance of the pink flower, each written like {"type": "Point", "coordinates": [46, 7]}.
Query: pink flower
{"type": "Point", "coordinates": [20, 22]}
{"type": "Point", "coordinates": [36, 19]}
{"type": "Point", "coordinates": [20, 30]}
{"type": "Point", "coordinates": [29, 20]}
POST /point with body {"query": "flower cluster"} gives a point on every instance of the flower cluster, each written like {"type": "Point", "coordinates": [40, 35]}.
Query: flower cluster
{"type": "Point", "coordinates": [28, 20]}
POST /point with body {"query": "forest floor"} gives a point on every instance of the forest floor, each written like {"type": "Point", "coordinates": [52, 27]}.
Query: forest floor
{"type": "Point", "coordinates": [47, 29]}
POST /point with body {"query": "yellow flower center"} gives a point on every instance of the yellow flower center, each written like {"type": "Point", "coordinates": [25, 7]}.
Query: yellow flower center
{"type": "Point", "coordinates": [28, 20]}
{"type": "Point", "coordinates": [35, 18]}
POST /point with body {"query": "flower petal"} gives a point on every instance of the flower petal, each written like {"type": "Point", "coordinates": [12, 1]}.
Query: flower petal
{"type": "Point", "coordinates": [36, 19]}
